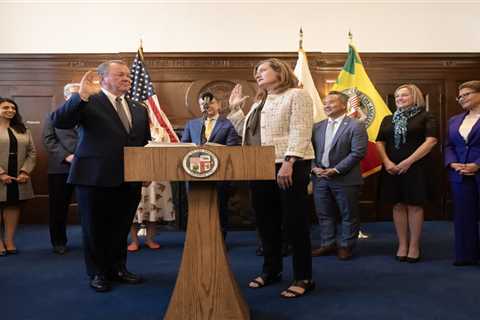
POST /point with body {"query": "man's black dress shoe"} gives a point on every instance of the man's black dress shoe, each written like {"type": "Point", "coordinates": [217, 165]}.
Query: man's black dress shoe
{"type": "Point", "coordinates": [100, 284]}
{"type": "Point", "coordinates": [61, 250]}
{"type": "Point", "coordinates": [123, 275]}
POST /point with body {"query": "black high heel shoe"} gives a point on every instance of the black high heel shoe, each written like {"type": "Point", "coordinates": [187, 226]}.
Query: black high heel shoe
{"type": "Point", "coordinates": [3, 252]}
{"type": "Point", "coordinates": [414, 260]}
{"type": "Point", "coordinates": [401, 258]}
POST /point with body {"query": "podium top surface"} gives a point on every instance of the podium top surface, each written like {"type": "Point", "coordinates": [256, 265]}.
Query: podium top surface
{"type": "Point", "coordinates": [167, 163]}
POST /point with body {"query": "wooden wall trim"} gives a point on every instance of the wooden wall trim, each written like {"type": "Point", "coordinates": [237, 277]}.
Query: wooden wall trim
{"type": "Point", "coordinates": [37, 80]}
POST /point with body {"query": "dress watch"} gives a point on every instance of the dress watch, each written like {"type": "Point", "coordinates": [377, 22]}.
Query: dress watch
{"type": "Point", "coordinates": [291, 159]}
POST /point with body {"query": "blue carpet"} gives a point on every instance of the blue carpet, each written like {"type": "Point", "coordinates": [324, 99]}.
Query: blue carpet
{"type": "Point", "coordinates": [36, 284]}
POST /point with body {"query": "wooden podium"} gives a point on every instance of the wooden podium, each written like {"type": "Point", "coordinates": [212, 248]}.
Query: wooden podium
{"type": "Point", "coordinates": [205, 287]}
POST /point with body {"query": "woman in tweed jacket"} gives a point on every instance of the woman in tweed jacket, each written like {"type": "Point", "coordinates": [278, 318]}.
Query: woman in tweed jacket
{"type": "Point", "coordinates": [281, 117]}
{"type": "Point", "coordinates": [17, 160]}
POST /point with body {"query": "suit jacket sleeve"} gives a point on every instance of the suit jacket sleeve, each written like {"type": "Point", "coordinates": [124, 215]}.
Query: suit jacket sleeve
{"type": "Point", "coordinates": [358, 148]}
{"type": "Point", "coordinates": [30, 156]}
{"type": "Point", "coordinates": [450, 154]}
{"type": "Point", "coordinates": [237, 118]}
{"type": "Point", "coordinates": [52, 143]}
{"type": "Point", "coordinates": [232, 137]}
{"type": "Point", "coordinates": [69, 114]}
{"type": "Point", "coordinates": [186, 135]}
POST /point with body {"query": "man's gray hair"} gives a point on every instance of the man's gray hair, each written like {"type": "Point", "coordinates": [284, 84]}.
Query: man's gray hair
{"type": "Point", "coordinates": [102, 69]}
{"type": "Point", "coordinates": [67, 90]}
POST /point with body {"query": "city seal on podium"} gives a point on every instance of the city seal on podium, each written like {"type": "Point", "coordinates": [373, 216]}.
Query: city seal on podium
{"type": "Point", "coordinates": [200, 163]}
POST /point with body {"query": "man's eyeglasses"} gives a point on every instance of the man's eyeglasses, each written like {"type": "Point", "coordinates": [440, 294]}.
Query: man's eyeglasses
{"type": "Point", "coordinates": [460, 97]}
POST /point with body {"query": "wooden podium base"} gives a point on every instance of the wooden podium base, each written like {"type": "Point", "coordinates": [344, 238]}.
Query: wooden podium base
{"type": "Point", "coordinates": [205, 287]}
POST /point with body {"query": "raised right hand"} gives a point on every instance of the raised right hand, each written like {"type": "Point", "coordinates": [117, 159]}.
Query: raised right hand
{"type": "Point", "coordinates": [237, 97]}
{"type": "Point", "coordinates": [89, 85]}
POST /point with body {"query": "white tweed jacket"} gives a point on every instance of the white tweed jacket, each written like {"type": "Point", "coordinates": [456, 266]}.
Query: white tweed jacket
{"type": "Point", "coordinates": [286, 123]}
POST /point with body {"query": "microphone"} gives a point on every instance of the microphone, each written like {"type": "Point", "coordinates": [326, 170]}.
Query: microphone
{"type": "Point", "coordinates": [205, 102]}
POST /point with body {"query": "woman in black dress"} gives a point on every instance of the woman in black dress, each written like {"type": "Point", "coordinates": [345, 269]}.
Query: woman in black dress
{"type": "Point", "coordinates": [404, 141]}
{"type": "Point", "coordinates": [17, 160]}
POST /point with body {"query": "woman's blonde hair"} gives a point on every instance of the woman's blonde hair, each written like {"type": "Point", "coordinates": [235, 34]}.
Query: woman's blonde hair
{"type": "Point", "coordinates": [474, 85]}
{"type": "Point", "coordinates": [418, 99]}
{"type": "Point", "coordinates": [286, 77]}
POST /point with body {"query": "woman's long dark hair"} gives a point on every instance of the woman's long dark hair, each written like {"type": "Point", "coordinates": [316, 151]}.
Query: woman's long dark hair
{"type": "Point", "coordinates": [16, 123]}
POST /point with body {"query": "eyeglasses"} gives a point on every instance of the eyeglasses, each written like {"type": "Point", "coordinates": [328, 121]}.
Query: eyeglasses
{"type": "Point", "coordinates": [460, 97]}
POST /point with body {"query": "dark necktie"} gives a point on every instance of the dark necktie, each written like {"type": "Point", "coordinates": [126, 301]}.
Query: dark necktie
{"type": "Point", "coordinates": [121, 113]}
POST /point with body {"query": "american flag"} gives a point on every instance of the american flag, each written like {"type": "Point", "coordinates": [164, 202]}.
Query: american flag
{"type": "Point", "coordinates": [353, 104]}
{"type": "Point", "coordinates": [142, 90]}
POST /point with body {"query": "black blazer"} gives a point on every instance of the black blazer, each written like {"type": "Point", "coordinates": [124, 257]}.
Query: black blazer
{"type": "Point", "coordinates": [102, 137]}
{"type": "Point", "coordinates": [59, 143]}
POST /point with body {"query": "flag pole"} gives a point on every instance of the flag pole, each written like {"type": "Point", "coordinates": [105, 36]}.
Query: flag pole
{"type": "Point", "coordinates": [140, 49]}
{"type": "Point", "coordinates": [350, 37]}
{"type": "Point", "coordinates": [300, 42]}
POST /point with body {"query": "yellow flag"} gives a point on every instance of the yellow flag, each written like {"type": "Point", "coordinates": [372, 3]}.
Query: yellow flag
{"type": "Point", "coordinates": [354, 81]}
{"type": "Point", "coordinates": [302, 72]}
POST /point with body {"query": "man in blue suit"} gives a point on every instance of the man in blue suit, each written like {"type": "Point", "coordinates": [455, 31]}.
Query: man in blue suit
{"type": "Point", "coordinates": [213, 128]}
{"type": "Point", "coordinates": [340, 142]}
{"type": "Point", "coordinates": [216, 128]}
{"type": "Point", "coordinates": [107, 122]}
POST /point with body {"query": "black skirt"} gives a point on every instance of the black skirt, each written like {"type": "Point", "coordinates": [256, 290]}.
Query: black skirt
{"type": "Point", "coordinates": [12, 188]}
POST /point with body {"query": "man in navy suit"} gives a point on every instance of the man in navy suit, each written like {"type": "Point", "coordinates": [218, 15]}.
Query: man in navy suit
{"type": "Point", "coordinates": [107, 122]}
{"type": "Point", "coordinates": [219, 129]}
{"type": "Point", "coordinates": [60, 145]}
{"type": "Point", "coordinates": [213, 127]}
{"type": "Point", "coordinates": [340, 142]}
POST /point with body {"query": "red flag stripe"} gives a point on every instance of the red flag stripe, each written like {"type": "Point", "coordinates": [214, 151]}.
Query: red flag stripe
{"type": "Point", "coordinates": [155, 109]}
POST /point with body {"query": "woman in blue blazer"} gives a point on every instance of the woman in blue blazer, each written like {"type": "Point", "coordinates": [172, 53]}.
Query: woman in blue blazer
{"type": "Point", "coordinates": [462, 159]}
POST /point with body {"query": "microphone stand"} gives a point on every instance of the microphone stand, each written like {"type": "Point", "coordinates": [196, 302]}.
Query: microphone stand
{"type": "Point", "coordinates": [206, 102]}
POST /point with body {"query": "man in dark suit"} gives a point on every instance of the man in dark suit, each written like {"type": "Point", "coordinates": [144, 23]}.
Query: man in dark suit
{"type": "Point", "coordinates": [214, 128]}
{"type": "Point", "coordinates": [60, 145]}
{"type": "Point", "coordinates": [340, 142]}
{"type": "Point", "coordinates": [107, 122]}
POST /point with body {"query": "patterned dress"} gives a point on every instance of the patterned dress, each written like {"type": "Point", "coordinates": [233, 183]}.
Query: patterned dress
{"type": "Point", "coordinates": [156, 203]}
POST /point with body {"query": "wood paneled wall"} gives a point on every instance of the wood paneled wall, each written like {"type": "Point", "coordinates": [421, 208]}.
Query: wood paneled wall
{"type": "Point", "coordinates": [36, 82]}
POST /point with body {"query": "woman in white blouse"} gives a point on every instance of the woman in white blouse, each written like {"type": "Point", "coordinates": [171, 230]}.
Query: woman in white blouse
{"type": "Point", "coordinates": [281, 117]}
{"type": "Point", "coordinates": [462, 159]}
